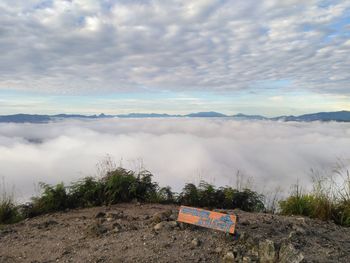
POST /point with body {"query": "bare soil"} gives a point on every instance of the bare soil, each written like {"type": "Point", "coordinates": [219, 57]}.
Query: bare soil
{"type": "Point", "coordinates": [148, 233]}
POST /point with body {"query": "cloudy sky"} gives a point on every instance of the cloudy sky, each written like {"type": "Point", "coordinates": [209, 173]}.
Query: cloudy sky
{"type": "Point", "coordinates": [116, 56]}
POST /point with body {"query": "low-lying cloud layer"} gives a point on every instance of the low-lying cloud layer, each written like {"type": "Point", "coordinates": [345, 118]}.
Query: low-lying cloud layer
{"type": "Point", "coordinates": [175, 150]}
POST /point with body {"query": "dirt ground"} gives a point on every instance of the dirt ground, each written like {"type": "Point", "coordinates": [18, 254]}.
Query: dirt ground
{"type": "Point", "coordinates": [149, 233]}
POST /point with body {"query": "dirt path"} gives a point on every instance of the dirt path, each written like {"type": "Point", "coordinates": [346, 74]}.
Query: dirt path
{"type": "Point", "coordinates": [148, 233]}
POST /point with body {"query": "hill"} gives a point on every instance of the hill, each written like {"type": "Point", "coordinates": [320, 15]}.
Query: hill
{"type": "Point", "coordinates": [148, 233]}
{"type": "Point", "coordinates": [339, 116]}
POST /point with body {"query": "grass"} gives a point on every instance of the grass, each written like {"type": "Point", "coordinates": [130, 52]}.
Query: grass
{"type": "Point", "coordinates": [328, 200]}
{"type": "Point", "coordinates": [122, 185]}
{"type": "Point", "coordinates": [9, 212]}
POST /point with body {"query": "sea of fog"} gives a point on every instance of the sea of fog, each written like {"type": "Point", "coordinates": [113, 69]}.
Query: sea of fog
{"type": "Point", "coordinates": [175, 150]}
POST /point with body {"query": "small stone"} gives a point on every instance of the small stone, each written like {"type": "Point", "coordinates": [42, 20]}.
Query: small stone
{"type": "Point", "coordinates": [173, 224]}
{"type": "Point", "coordinates": [267, 252]}
{"type": "Point", "coordinates": [158, 226]}
{"type": "Point", "coordinates": [117, 215]}
{"type": "Point", "coordinates": [195, 242]}
{"type": "Point", "coordinates": [97, 229]}
{"type": "Point", "coordinates": [246, 259]}
{"type": "Point", "coordinates": [301, 220]}
{"type": "Point", "coordinates": [100, 215]}
{"type": "Point", "coordinates": [218, 250]}
{"type": "Point", "coordinates": [165, 224]}
{"type": "Point", "coordinates": [245, 223]}
{"type": "Point", "coordinates": [161, 216]}
{"type": "Point", "coordinates": [298, 229]}
{"type": "Point", "coordinates": [289, 254]}
{"type": "Point", "coordinates": [229, 257]}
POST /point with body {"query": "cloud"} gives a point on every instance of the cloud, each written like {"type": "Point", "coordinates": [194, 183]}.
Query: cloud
{"type": "Point", "coordinates": [175, 150]}
{"type": "Point", "coordinates": [93, 46]}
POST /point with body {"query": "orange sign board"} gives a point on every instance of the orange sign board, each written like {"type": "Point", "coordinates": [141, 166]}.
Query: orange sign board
{"type": "Point", "coordinates": [209, 219]}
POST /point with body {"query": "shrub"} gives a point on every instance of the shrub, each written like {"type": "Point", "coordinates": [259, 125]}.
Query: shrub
{"type": "Point", "coordinates": [87, 192]}
{"type": "Point", "coordinates": [8, 211]}
{"type": "Point", "coordinates": [189, 195]}
{"type": "Point", "coordinates": [298, 205]}
{"type": "Point", "coordinates": [207, 195]}
{"type": "Point", "coordinates": [341, 214]}
{"type": "Point", "coordinates": [165, 195]}
{"type": "Point", "coordinates": [248, 200]}
{"type": "Point", "coordinates": [119, 186]}
{"type": "Point", "coordinates": [143, 188]}
{"type": "Point", "coordinates": [53, 198]}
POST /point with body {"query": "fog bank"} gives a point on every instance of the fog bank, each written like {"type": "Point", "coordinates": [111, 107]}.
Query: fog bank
{"type": "Point", "coordinates": [175, 150]}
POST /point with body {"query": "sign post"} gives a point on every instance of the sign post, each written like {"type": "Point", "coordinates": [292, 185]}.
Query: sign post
{"type": "Point", "coordinates": [208, 219]}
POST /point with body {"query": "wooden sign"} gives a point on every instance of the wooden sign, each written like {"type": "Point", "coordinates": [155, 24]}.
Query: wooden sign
{"type": "Point", "coordinates": [209, 219]}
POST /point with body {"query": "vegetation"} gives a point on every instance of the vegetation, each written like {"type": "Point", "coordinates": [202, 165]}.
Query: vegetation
{"type": "Point", "coordinates": [8, 210]}
{"type": "Point", "coordinates": [206, 195]}
{"type": "Point", "coordinates": [329, 199]}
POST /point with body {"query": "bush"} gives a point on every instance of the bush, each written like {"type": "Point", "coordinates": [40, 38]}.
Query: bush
{"type": "Point", "coordinates": [248, 200]}
{"type": "Point", "coordinates": [165, 195]}
{"type": "Point", "coordinates": [143, 188]}
{"type": "Point", "coordinates": [120, 186]}
{"type": "Point", "coordinates": [53, 198]}
{"type": "Point", "coordinates": [189, 195]}
{"type": "Point", "coordinates": [298, 205]}
{"type": "Point", "coordinates": [206, 195]}
{"type": "Point", "coordinates": [87, 192]}
{"type": "Point", "coordinates": [341, 214]}
{"type": "Point", "coordinates": [8, 211]}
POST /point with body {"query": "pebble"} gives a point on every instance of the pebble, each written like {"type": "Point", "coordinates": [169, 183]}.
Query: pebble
{"type": "Point", "coordinates": [195, 242]}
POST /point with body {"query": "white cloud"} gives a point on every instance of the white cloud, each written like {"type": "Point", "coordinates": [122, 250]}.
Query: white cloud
{"type": "Point", "coordinates": [79, 46]}
{"type": "Point", "coordinates": [175, 150]}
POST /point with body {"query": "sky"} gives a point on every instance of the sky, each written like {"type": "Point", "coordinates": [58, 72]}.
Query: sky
{"type": "Point", "coordinates": [269, 155]}
{"type": "Point", "coordinates": [268, 57]}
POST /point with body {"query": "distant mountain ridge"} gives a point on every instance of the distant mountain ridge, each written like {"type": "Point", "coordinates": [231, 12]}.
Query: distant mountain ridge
{"type": "Point", "coordinates": [339, 116]}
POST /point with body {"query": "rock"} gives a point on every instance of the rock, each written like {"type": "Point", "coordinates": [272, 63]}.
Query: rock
{"type": "Point", "coordinates": [267, 252]}
{"type": "Point", "coordinates": [97, 230]}
{"type": "Point", "coordinates": [112, 216]}
{"type": "Point", "coordinates": [195, 242]}
{"type": "Point", "coordinates": [100, 220]}
{"type": "Point", "coordinates": [100, 215]}
{"type": "Point", "coordinates": [173, 224]}
{"type": "Point", "coordinates": [47, 224]}
{"type": "Point", "coordinates": [292, 235]}
{"type": "Point", "coordinates": [165, 225]}
{"type": "Point", "coordinates": [289, 254]}
{"type": "Point", "coordinates": [301, 220]}
{"type": "Point", "coordinates": [229, 257]}
{"type": "Point", "coordinates": [161, 216]}
{"type": "Point", "coordinates": [246, 259]}
{"type": "Point", "coordinates": [218, 250]}
{"type": "Point", "coordinates": [158, 226]}
{"type": "Point", "coordinates": [298, 229]}
{"type": "Point", "coordinates": [245, 223]}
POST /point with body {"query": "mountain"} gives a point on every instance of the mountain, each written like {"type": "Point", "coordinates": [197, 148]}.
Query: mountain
{"type": "Point", "coordinates": [326, 116]}
{"type": "Point", "coordinates": [339, 116]}
{"type": "Point", "coordinates": [242, 116]}
{"type": "Point", "coordinates": [146, 115]}
{"type": "Point", "coordinates": [209, 114]}
{"type": "Point", "coordinates": [21, 118]}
